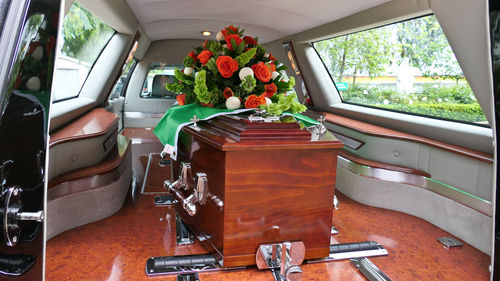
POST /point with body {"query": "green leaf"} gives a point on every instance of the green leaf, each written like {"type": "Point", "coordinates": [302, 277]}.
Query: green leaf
{"type": "Point", "coordinates": [248, 84]}
{"type": "Point", "coordinates": [212, 65]}
{"type": "Point", "coordinates": [245, 58]}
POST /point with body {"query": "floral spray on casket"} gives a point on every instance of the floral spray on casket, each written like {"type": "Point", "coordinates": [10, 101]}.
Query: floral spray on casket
{"type": "Point", "coordinates": [235, 71]}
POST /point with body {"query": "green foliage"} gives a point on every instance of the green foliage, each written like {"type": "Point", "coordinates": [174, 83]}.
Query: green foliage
{"type": "Point", "coordinates": [185, 79]}
{"type": "Point", "coordinates": [84, 34]}
{"type": "Point", "coordinates": [449, 102]}
{"type": "Point", "coordinates": [285, 103]}
{"type": "Point", "coordinates": [212, 65]}
{"type": "Point", "coordinates": [214, 47]}
{"type": "Point", "coordinates": [245, 58]}
{"type": "Point", "coordinates": [188, 61]}
{"type": "Point", "coordinates": [453, 111]}
{"type": "Point", "coordinates": [248, 84]}
{"type": "Point", "coordinates": [201, 89]}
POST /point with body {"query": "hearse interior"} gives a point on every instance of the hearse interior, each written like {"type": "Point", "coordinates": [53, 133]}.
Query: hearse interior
{"type": "Point", "coordinates": [389, 173]}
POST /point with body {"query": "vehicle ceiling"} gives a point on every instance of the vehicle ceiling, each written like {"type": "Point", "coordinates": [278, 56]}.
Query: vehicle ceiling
{"type": "Point", "coordinates": [268, 19]}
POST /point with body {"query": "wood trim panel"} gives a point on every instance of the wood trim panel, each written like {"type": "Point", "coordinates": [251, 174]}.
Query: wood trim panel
{"type": "Point", "coordinates": [378, 131]}
{"type": "Point", "coordinates": [381, 165]}
{"type": "Point", "coordinates": [97, 122]}
{"type": "Point", "coordinates": [141, 135]}
{"type": "Point", "coordinates": [112, 162]}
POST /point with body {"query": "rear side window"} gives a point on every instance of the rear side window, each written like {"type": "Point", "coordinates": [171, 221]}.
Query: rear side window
{"type": "Point", "coordinates": [159, 74]}
{"type": "Point", "coordinates": [84, 36]}
{"type": "Point", "coordinates": [407, 67]}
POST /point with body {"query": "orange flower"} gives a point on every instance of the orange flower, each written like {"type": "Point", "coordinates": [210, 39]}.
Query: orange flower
{"type": "Point", "coordinates": [228, 92]}
{"type": "Point", "coordinates": [270, 90]}
{"type": "Point", "coordinates": [226, 66]}
{"type": "Point", "coordinates": [271, 57]}
{"type": "Point", "coordinates": [204, 56]}
{"type": "Point", "coordinates": [181, 99]}
{"type": "Point", "coordinates": [231, 37]}
{"type": "Point", "coordinates": [254, 101]}
{"type": "Point", "coordinates": [262, 72]}
{"type": "Point", "coordinates": [272, 66]}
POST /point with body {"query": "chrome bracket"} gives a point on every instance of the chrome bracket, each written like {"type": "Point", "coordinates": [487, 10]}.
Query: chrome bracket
{"type": "Point", "coordinates": [283, 259]}
{"type": "Point", "coordinates": [12, 215]}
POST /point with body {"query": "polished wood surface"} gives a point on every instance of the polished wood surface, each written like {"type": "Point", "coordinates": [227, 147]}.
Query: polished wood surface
{"type": "Point", "coordinates": [268, 195]}
{"type": "Point", "coordinates": [374, 130]}
{"type": "Point", "coordinates": [381, 165]}
{"type": "Point", "coordinates": [117, 248]}
{"type": "Point", "coordinates": [226, 136]}
{"type": "Point", "coordinates": [141, 135]}
{"type": "Point", "coordinates": [94, 123]}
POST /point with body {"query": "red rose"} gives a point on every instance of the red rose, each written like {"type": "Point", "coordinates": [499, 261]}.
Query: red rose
{"type": "Point", "coordinates": [271, 89]}
{"type": "Point", "coordinates": [228, 92]}
{"type": "Point", "coordinates": [250, 40]}
{"type": "Point", "coordinates": [262, 72]}
{"type": "Point", "coordinates": [204, 56]}
{"type": "Point", "coordinates": [254, 101]}
{"type": "Point", "coordinates": [230, 38]}
{"type": "Point", "coordinates": [229, 30]}
{"type": "Point", "coordinates": [226, 66]}
{"type": "Point", "coordinates": [193, 55]}
{"type": "Point", "coordinates": [181, 99]}
{"type": "Point", "coordinates": [271, 57]}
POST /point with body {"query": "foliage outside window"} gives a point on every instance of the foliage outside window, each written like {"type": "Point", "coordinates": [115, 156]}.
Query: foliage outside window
{"type": "Point", "coordinates": [159, 74]}
{"type": "Point", "coordinates": [84, 37]}
{"type": "Point", "coordinates": [407, 66]}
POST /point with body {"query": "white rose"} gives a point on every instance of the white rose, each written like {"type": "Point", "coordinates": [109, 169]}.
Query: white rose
{"type": "Point", "coordinates": [188, 70]}
{"type": "Point", "coordinates": [268, 101]}
{"type": "Point", "coordinates": [38, 53]}
{"type": "Point", "coordinates": [233, 103]}
{"type": "Point", "coordinates": [244, 72]}
{"type": "Point", "coordinates": [33, 84]}
{"type": "Point", "coordinates": [266, 55]}
{"type": "Point", "coordinates": [274, 74]}
{"type": "Point", "coordinates": [219, 37]}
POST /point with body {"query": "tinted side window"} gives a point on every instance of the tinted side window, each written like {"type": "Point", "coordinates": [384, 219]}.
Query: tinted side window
{"type": "Point", "coordinates": [407, 67]}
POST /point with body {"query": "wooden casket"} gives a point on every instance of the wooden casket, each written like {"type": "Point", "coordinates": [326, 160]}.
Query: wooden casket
{"type": "Point", "coordinates": [267, 183]}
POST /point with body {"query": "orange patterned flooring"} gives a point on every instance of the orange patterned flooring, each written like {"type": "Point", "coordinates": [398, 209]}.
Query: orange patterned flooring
{"type": "Point", "coordinates": [117, 247]}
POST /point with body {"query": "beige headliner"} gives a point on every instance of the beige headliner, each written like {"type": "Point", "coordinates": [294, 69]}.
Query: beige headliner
{"type": "Point", "coordinates": [267, 19]}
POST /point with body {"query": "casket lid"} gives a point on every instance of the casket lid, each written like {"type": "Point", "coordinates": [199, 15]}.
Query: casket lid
{"type": "Point", "coordinates": [237, 132]}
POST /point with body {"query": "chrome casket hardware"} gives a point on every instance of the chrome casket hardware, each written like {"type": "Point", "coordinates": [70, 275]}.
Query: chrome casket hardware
{"type": "Point", "coordinates": [201, 191]}
{"type": "Point", "coordinates": [185, 181]}
{"type": "Point", "coordinates": [286, 257]}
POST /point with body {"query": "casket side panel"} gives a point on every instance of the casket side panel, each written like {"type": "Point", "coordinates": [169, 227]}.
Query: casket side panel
{"type": "Point", "coordinates": [209, 219]}
{"type": "Point", "coordinates": [278, 195]}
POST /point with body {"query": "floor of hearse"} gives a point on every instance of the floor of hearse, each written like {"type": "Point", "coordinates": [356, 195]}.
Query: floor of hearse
{"type": "Point", "coordinates": [116, 248]}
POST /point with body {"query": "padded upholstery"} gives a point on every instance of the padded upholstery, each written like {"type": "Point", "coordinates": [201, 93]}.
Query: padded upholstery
{"type": "Point", "coordinates": [159, 90]}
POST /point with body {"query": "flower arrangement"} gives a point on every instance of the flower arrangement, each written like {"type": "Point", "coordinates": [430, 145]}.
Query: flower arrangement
{"type": "Point", "coordinates": [235, 71]}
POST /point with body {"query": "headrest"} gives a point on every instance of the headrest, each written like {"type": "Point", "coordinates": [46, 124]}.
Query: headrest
{"type": "Point", "coordinates": [159, 90]}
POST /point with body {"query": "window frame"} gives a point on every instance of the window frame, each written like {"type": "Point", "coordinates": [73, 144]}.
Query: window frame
{"type": "Point", "coordinates": [312, 44]}
{"type": "Point", "coordinates": [93, 64]}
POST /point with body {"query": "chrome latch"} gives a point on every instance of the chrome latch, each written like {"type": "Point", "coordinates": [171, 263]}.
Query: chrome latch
{"type": "Point", "coordinates": [286, 257]}
{"type": "Point", "coordinates": [185, 178]}
{"type": "Point", "coordinates": [201, 191]}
